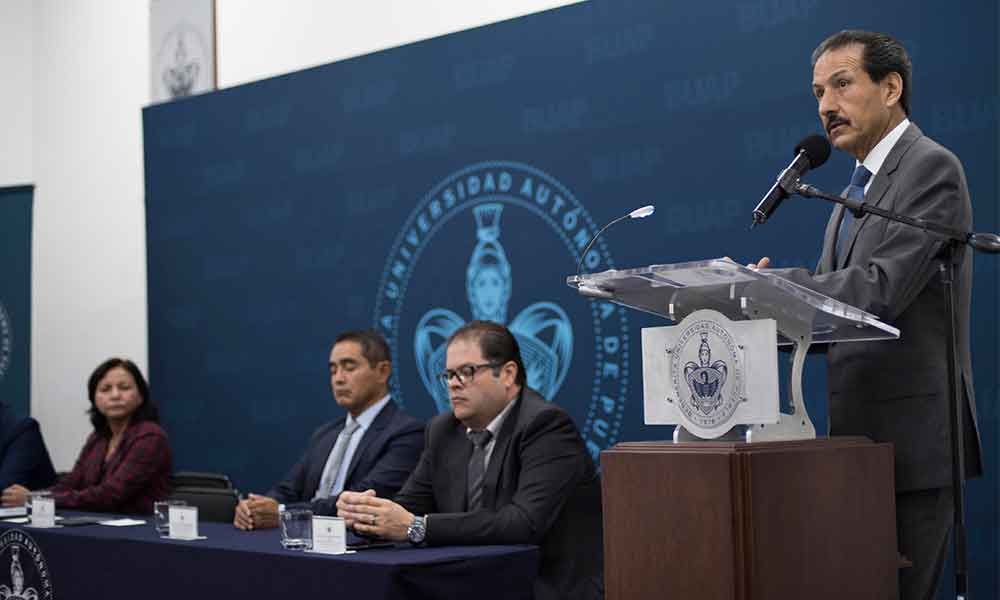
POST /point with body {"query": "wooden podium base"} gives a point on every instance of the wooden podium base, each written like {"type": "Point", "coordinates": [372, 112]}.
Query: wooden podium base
{"type": "Point", "coordinates": [802, 520]}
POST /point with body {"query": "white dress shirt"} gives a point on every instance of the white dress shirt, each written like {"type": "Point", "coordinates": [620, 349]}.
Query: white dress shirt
{"type": "Point", "coordinates": [873, 162]}
{"type": "Point", "coordinates": [364, 421]}
{"type": "Point", "coordinates": [494, 428]}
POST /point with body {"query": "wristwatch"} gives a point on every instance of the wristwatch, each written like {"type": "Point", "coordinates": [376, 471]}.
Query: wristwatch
{"type": "Point", "coordinates": [416, 531]}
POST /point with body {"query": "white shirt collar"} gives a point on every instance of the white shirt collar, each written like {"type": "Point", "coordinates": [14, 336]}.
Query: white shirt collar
{"type": "Point", "coordinates": [497, 422]}
{"type": "Point", "coordinates": [873, 162]}
{"type": "Point", "coordinates": [367, 416]}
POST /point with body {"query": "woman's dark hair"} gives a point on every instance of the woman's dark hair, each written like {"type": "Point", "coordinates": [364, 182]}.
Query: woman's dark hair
{"type": "Point", "coordinates": [496, 343]}
{"type": "Point", "coordinates": [882, 54]}
{"type": "Point", "coordinates": [145, 412]}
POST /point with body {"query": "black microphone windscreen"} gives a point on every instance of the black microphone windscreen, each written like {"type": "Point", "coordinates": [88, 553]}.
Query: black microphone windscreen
{"type": "Point", "coordinates": [816, 147]}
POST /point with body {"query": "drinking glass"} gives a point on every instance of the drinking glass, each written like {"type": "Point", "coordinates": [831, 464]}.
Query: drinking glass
{"type": "Point", "coordinates": [31, 499]}
{"type": "Point", "coordinates": [296, 528]}
{"type": "Point", "coordinates": [161, 515]}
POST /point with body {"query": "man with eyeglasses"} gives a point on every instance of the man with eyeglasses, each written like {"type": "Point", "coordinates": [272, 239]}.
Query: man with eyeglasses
{"type": "Point", "coordinates": [502, 467]}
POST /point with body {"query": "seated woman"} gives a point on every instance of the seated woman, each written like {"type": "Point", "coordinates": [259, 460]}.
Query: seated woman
{"type": "Point", "coordinates": [125, 464]}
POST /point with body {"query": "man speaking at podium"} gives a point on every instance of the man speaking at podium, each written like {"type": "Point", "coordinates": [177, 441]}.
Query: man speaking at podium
{"type": "Point", "coordinates": [895, 391]}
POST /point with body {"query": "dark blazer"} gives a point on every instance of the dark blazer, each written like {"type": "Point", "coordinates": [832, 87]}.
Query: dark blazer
{"type": "Point", "coordinates": [384, 458]}
{"type": "Point", "coordinates": [897, 391]}
{"type": "Point", "coordinates": [23, 456]}
{"type": "Point", "coordinates": [541, 488]}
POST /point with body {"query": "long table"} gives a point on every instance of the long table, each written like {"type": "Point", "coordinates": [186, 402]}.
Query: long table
{"type": "Point", "coordinates": [97, 561]}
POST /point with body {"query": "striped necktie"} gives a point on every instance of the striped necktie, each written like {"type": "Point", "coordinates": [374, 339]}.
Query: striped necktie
{"type": "Point", "coordinates": [477, 467]}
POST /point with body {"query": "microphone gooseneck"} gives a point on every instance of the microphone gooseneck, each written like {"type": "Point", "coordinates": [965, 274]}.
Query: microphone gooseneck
{"type": "Point", "coordinates": [639, 213]}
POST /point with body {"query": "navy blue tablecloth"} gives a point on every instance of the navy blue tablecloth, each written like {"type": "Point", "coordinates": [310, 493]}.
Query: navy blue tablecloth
{"type": "Point", "coordinates": [96, 561]}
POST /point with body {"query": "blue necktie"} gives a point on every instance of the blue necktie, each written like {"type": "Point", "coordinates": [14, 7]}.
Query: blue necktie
{"type": "Point", "coordinates": [855, 191]}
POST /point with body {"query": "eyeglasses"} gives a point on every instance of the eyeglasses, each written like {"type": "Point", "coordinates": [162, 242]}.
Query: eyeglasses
{"type": "Point", "coordinates": [465, 373]}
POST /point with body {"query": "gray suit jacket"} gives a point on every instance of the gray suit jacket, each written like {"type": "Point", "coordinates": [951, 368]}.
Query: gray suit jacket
{"type": "Point", "coordinates": [540, 487]}
{"type": "Point", "coordinates": [897, 391]}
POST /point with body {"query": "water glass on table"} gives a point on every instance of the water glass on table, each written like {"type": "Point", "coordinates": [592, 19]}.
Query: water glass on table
{"type": "Point", "coordinates": [32, 496]}
{"type": "Point", "coordinates": [296, 528]}
{"type": "Point", "coordinates": [161, 515]}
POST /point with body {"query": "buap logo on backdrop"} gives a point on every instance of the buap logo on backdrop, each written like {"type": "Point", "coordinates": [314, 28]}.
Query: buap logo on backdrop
{"type": "Point", "coordinates": [495, 241]}
{"type": "Point", "coordinates": [6, 341]}
{"type": "Point", "coordinates": [543, 329]}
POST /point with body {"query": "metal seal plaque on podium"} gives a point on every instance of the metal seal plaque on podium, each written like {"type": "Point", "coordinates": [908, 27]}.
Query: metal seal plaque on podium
{"type": "Point", "coordinates": [710, 374]}
{"type": "Point", "coordinates": [715, 373]}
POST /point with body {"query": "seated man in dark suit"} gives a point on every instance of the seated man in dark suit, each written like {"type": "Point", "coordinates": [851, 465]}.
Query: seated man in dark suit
{"type": "Point", "coordinates": [24, 459]}
{"type": "Point", "coordinates": [502, 467]}
{"type": "Point", "coordinates": [376, 446]}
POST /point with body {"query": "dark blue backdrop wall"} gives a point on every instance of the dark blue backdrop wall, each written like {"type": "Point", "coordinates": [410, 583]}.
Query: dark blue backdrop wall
{"type": "Point", "coordinates": [15, 297]}
{"type": "Point", "coordinates": [459, 178]}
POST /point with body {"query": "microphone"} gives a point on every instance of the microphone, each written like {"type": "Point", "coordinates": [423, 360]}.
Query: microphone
{"type": "Point", "coordinates": [985, 242]}
{"type": "Point", "coordinates": [811, 152]}
{"type": "Point", "coordinates": [639, 213]}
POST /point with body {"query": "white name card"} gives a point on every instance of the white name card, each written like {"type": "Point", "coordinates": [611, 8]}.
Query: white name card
{"type": "Point", "coordinates": [183, 522]}
{"type": "Point", "coordinates": [43, 512]}
{"type": "Point", "coordinates": [329, 535]}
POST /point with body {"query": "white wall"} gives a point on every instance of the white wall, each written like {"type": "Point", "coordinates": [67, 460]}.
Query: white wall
{"type": "Point", "coordinates": [16, 51]}
{"type": "Point", "coordinates": [89, 266]}
{"type": "Point", "coordinates": [83, 67]}
{"type": "Point", "coordinates": [261, 39]}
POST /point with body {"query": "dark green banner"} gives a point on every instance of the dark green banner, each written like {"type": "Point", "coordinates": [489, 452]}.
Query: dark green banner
{"type": "Point", "coordinates": [15, 297]}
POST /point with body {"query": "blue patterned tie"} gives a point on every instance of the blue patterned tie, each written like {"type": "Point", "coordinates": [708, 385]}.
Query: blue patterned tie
{"type": "Point", "coordinates": [855, 191]}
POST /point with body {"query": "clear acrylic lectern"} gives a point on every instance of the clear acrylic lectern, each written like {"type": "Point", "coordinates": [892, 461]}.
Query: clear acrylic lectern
{"type": "Point", "coordinates": [803, 316]}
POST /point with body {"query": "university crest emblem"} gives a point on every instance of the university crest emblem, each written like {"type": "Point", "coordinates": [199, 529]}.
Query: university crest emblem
{"type": "Point", "coordinates": [543, 329]}
{"type": "Point", "coordinates": [494, 241]}
{"type": "Point", "coordinates": [708, 391]}
{"type": "Point", "coordinates": [29, 575]}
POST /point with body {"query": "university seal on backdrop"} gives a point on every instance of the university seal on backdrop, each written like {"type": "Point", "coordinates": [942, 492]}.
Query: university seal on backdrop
{"type": "Point", "coordinates": [6, 341]}
{"type": "Point", "coordinates": [23, 572]}
{"type": "Point", "coordinates": [494, 241]}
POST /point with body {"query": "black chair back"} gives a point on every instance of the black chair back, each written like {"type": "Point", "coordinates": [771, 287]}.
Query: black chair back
{"type": "Point", "coordinates": [201, 479]}
{"type": "Point", "coordinates": [214, 504]}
